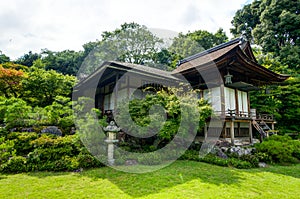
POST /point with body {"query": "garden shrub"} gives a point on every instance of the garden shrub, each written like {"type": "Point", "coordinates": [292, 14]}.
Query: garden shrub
{"type": "Point", "coordinates": [150, 159]}
{"type": "Point", "coordinates": [86, 160]}
{"type": "Point", "coordinates": [252, 159]}
{"type": "Point", "coordinates": [281, 149]}
{"type": "Point", "coordinates": [23, 142]}
{"type": "Point", "coordinates": [190, 155]}
{"type": "Point", "coordinates": [66, 163]}
{"type": "Point", "coordinates": [240, 164]}
{"type": "Point", "coordinates": [213, 159]}
{"type": "Point", "coordinates": [7, 149]}
{"type": "Point", "coordinates": [263, 157]}
{"type": "Point", "coordinates": [15, 164]}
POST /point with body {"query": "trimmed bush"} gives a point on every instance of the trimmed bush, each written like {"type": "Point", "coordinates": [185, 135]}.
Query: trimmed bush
{"type": "Point", "coordinates": [240, 164]}
{"type": "Point", "coordinates": [88, 161]}
{"type": "Point", "coordinates": [22, 142]}
{"type": "Point", "coordinates": [281, 149]}
{"type": "Point", "coordinates": [190, 155]}
{"type": "Point", "coordinates": [212, 159]}
{"type": "Point", "coordinates": [15, 164]}
{"type": "Point", "coordinates": [6, 149]}
{"type": "Point", "coordinates": [150, 159]}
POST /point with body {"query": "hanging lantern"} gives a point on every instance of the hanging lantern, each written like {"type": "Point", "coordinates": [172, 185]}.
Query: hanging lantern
{"type": "Point", "coordinates": [228, 78]}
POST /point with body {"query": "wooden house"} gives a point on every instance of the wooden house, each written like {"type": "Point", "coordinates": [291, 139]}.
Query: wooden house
{"type": "Point", "coordinates": [224, 75]}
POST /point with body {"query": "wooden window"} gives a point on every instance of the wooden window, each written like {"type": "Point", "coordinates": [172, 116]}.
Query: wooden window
{"type": "Point", "coordinates": [243, 102]}
{"type": "Point", "coordinates": [229, 99]}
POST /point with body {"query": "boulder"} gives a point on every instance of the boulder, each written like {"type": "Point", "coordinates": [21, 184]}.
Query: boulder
{"type": "Point", "coordinates": [262, 165]}
{"type": "Point", "coordinates": [52, 130]}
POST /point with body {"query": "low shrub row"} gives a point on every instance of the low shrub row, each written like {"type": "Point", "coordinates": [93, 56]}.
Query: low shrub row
{"type": "Point", "coordinates": [22, 152]}
{"type": "Point", "coordinates": [275, 149]}
{"type": "Point", "coordinates": [279, 149]}
{"type": "Point", "coordinates": [243, 162]}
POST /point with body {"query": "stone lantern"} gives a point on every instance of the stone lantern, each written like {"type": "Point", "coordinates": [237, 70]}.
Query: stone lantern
{"type": "Point", "coordinates": [112, 131]}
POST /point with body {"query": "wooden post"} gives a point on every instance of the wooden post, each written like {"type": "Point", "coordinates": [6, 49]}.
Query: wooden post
{"type": "Point", "coordinates": [232, 131]}
{"type": "Point", "coordinates": [205, 130]}
{"type": "Point", "coordinates": [250, 133]}
{"type": "Point", "coordinates": [273, 128]}
{"type": "Point", "coordinates": [222, 100]}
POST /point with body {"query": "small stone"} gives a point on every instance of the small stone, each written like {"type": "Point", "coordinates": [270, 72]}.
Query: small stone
{"type": "Point", "coordinates": [222, 155]}
{"type": "Point", "coordinates": [52, 130]}
{"type": "Point", "coordinates": [130, 162]}
{"type": "Point", "coordinates": [262, 165]}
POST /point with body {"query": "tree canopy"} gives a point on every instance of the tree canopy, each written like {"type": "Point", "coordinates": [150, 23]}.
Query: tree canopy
{"type": "Point", "coordinates": [274, 25]}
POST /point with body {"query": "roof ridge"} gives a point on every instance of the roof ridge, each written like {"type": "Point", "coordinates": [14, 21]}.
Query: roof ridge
{"type": "Point", "coordinates": [210, 50]}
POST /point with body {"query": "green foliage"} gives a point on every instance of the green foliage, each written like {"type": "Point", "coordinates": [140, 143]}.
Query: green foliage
{"type": "Point", "coordinates": [150, 159]}
{"type": "Point", "coordinates": [15, 112]}
{"type": "Point", "coordinates": [190, 155]}
{"type": "Point", "coordinates": [246, 19]}
{"type": "Point", "coordinates": [6, 149]}
{"type": "Point", "coordinates": [43, 86]}
{"type": "Point", "coordinates": [11, 79]}
{"type": "Point", "coordinates": [281, 149]}
{"type": "Point", "coordinates": [194, 42]}
{"type": "Point", "coordinates": [65, 62]}
{"type": "Point", "coordinates": [3, 58]}
{"type": "Point", "coordinates": [282, 101]}
{"type": "Point", "coordinates": [263, 157]}
{"type": "Point", "coordinates": [22, 142]}
{"type": "Point", "coordinates": [132, 43]}
{"type": "Point", "coordinates": [213, 159]}
{"type": "Point", "coordinates": [240, 164]}
{"type": "Point", "coordinates": [252, 159]}
{"type": "Point", "coordinates": [28, 59]}
{"type": "Point", "coordinates": [86, 160]}
{"type": "Point", "coordinates": [274, 25]}
{"type": "Point", "coordinates": [161, 112]}
{"type": "Point", "coordinates": [16, 164]}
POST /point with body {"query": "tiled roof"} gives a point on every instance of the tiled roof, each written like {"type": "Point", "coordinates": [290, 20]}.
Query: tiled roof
{"type": "Point", "coordinates": [206, 56]}
{"type": "Point", "coordinates": [145, 69]}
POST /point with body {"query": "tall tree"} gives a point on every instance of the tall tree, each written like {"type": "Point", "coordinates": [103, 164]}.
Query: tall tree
{"type": "Point", "coordinates": [28, 59]}
{"type": "Point", "coordinates": [42, 86]}
{"type": "Point", "coordinates": [206, 39]}
{"type": "Point", "coordinates": [275, 26]}
{"type": "Point", "coordinates": [65, 62]}
{"type": "Point", "coordinates": [131, 43]}
{"type": "Point", "coordinates": [246, 19]}
{"type": "Point", "coordinates": [10, 81]}
{"type": "Point", "coordinates": [3, 58]}
{"type": "Point", "coordinates": [194, 42]}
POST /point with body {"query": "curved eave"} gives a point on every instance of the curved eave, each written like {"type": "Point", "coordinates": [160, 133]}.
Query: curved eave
{"type": "Point", "coordinates": [270, 76]}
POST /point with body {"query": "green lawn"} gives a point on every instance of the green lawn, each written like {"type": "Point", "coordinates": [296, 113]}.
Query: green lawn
{"type": "Point", "coordinates": [182, 179]}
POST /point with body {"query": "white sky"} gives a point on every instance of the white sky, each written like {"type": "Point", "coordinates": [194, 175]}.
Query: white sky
{"type": "Point", "coordinates": [68, 24]}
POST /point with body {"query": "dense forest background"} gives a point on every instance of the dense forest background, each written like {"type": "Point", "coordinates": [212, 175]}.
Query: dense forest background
{"type": "Point", "coordinates": [36, 88]}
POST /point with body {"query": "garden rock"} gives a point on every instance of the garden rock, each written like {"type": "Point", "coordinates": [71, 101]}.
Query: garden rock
{"type": "Point", "coordinates": [130, 162]}
{"type": "Point", "coordinates": [52, 130]}
{"type": "Point", "coordinates": [262, 164]}
{"type": "Point", "coordinates": [240, 151]}
{"type": "Point", "coordinates": [222, 154]}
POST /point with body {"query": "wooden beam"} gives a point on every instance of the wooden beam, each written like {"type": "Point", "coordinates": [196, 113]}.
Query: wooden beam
{"type": "Point", "coordinates": [250, 133]}
{"type": "Point", "coordinates": [205, 130]}
{"type": "Point", "coordinates": [232, 131]}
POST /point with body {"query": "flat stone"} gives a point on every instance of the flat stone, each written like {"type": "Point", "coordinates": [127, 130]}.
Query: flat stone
{"type": "Point", "coordinates": [262, 165]}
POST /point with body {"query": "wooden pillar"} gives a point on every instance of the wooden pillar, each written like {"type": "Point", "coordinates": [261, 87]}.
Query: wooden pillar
{"type": "Point", "coordinates": [222, 100]}
{"type": "Point", "coordinates": [273, 128]}
{"type": "Point", "coordinates": [205, 130]}
{"type": "Point", "coordinates": [116, 91]}
{"type": "Point", "coordinates": [232, 131]}
{"type": "Point", "coordinates": [250, 133]}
